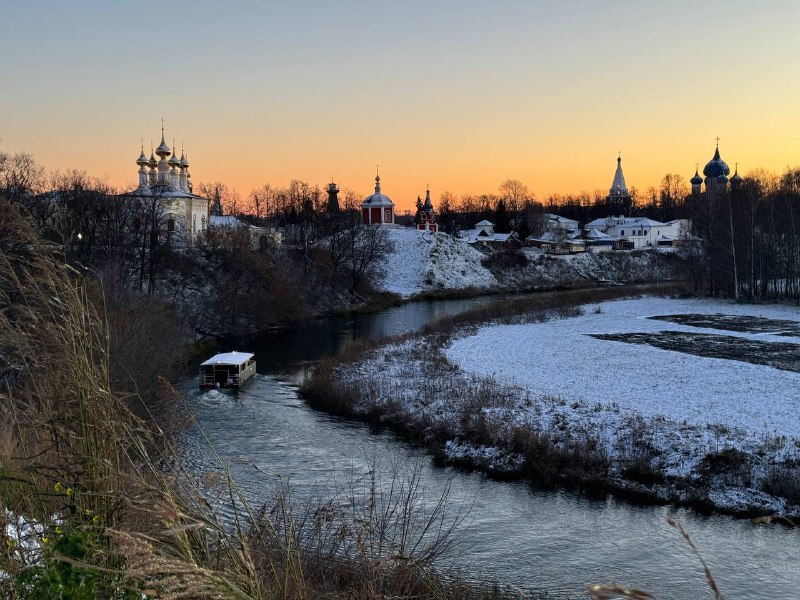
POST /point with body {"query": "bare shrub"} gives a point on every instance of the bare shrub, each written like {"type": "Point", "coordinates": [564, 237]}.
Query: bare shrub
{"type": "Point", "coordinates": [783, 481]}
{"type": "Point", "coordinates": [376, 535]}
{"type": "Point", "coordinates": [507, 258]}
{"type": "Point", "coordinates": [731, 466]}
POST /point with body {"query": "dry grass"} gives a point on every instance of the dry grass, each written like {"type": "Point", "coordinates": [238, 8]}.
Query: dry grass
{"type": "Point", "coordinates": [112, 514]}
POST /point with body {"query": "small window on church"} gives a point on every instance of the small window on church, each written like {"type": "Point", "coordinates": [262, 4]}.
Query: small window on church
{"type": "Point", "coordinates": [170, 225]}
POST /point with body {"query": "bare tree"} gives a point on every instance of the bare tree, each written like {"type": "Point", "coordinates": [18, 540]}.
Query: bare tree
{"type": "Point", "coordinates": [212, 190]}
{"type": "Point", "coordinates": [515, 193]}
{"type": "Point", "coordinates": [356, 251]}
{"type": "Point", "coordinates": [671, 194]}
{"type": "Point", "coordinates": [153, 228]}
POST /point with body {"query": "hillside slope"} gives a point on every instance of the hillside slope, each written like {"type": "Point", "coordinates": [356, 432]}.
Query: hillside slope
{"type": "Point", "coordinates": [428, 262]}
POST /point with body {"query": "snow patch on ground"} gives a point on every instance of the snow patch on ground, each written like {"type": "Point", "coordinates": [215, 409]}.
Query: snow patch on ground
{"type": "Point", "coordinates": [424, 261]}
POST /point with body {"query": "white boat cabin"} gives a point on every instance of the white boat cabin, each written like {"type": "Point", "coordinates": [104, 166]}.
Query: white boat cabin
{"type": "Point", "coordinates": [229, 369]}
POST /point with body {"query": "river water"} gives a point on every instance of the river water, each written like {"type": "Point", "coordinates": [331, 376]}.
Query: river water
{"type": "Point", "coordinates": [515, 534]}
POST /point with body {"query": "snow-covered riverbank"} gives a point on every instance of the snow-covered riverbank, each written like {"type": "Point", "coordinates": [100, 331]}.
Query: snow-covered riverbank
{"type": "Point", "coordinates": [674, 422]}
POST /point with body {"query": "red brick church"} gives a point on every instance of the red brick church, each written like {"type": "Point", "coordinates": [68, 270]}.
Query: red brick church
{"type": "Point", "coordinates": [427, 220]}
{"type": "Point", "coordinates": [377, 209]}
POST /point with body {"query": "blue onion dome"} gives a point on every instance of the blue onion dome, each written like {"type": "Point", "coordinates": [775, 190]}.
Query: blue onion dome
{"type": "Point", "coordinates": [152, 163]}
{"type": "Point", "coordinates": [184, 161]}
{"type": "Point", "coordinates": [736, 177]}
{"type": "Point", "coordinates": [696, 180]}
{"type": "Point", "coordinates": [716, 167]}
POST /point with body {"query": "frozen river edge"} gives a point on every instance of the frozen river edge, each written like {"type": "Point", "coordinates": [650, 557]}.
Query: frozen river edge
{"type": "Point", "coordinates": [542, 397]}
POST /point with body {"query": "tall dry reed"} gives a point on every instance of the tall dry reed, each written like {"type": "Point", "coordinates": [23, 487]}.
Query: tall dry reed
{"type": "Point", "coordinates": [101, 504]}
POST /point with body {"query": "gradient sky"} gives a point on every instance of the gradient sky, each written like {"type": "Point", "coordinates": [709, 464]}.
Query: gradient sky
{"type": "Point", "coordinates": [461, 94]}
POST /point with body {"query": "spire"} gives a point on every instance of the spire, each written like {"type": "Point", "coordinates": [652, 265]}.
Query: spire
{"type": "Point", "coordinates": [427, 206]}
{"type": "Point", "coordinates": [618, 187]}
{"type": "Point", "coordinates": [377, 181]}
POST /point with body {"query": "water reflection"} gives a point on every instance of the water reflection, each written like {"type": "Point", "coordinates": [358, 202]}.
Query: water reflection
{"type": "Point", "coordinates": [533, 539]}
{"type": "Point", "coordinates": [286, 351]}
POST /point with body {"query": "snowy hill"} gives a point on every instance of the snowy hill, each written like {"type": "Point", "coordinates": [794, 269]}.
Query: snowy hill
{"type": "Point", "coordinates": [423, 261]}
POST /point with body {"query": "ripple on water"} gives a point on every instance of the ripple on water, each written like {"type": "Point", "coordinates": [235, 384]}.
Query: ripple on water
{"type": "Point", "coordinates": [556, 541]}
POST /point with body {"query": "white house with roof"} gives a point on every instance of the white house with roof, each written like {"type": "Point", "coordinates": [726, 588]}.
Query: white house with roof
{"type": "Point", "coordinates": [483, 233]}
{"type": "Point", "coordinates": [554, 222]}
{"type": "Point", "coordinates": [167, 181]}
{"type": "Point", "coordinates": [259, 236]}
{"type": "Point", "coordinates": [483, 230]}
{"type": "Point", "coordinates": [641, 231]}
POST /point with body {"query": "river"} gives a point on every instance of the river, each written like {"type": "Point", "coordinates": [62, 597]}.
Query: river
{"type": "Point", "coordinates": [552, 541]}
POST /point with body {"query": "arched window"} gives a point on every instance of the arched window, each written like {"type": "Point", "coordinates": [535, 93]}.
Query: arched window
{"type": "Point", "coordinates": [170, 224]}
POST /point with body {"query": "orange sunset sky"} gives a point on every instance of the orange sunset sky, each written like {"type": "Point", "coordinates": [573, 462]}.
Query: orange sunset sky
{"type": "Point", "coordinates": [460, 95]}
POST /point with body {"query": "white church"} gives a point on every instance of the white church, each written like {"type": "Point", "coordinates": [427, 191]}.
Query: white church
{"type": "Point", "coordinates": [640, 232]}
{"type": "Point", "coordinates": [168, 179]}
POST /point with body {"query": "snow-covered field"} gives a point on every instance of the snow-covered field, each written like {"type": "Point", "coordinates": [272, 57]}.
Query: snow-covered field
{"type": "Point", "coordinates": [559, 358]}
{"type": "Point", "coordinates": [711, 430]}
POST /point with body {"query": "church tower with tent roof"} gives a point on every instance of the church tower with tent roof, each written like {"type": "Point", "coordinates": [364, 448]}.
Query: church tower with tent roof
{"type": "Point", "coordinates": [619, 201]}
{"type": "Point", "coordinates": [427, 220]}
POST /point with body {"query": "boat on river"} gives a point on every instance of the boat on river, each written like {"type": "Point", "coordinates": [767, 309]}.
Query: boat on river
{"type": "Point", "coordinates": [227, 370]}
